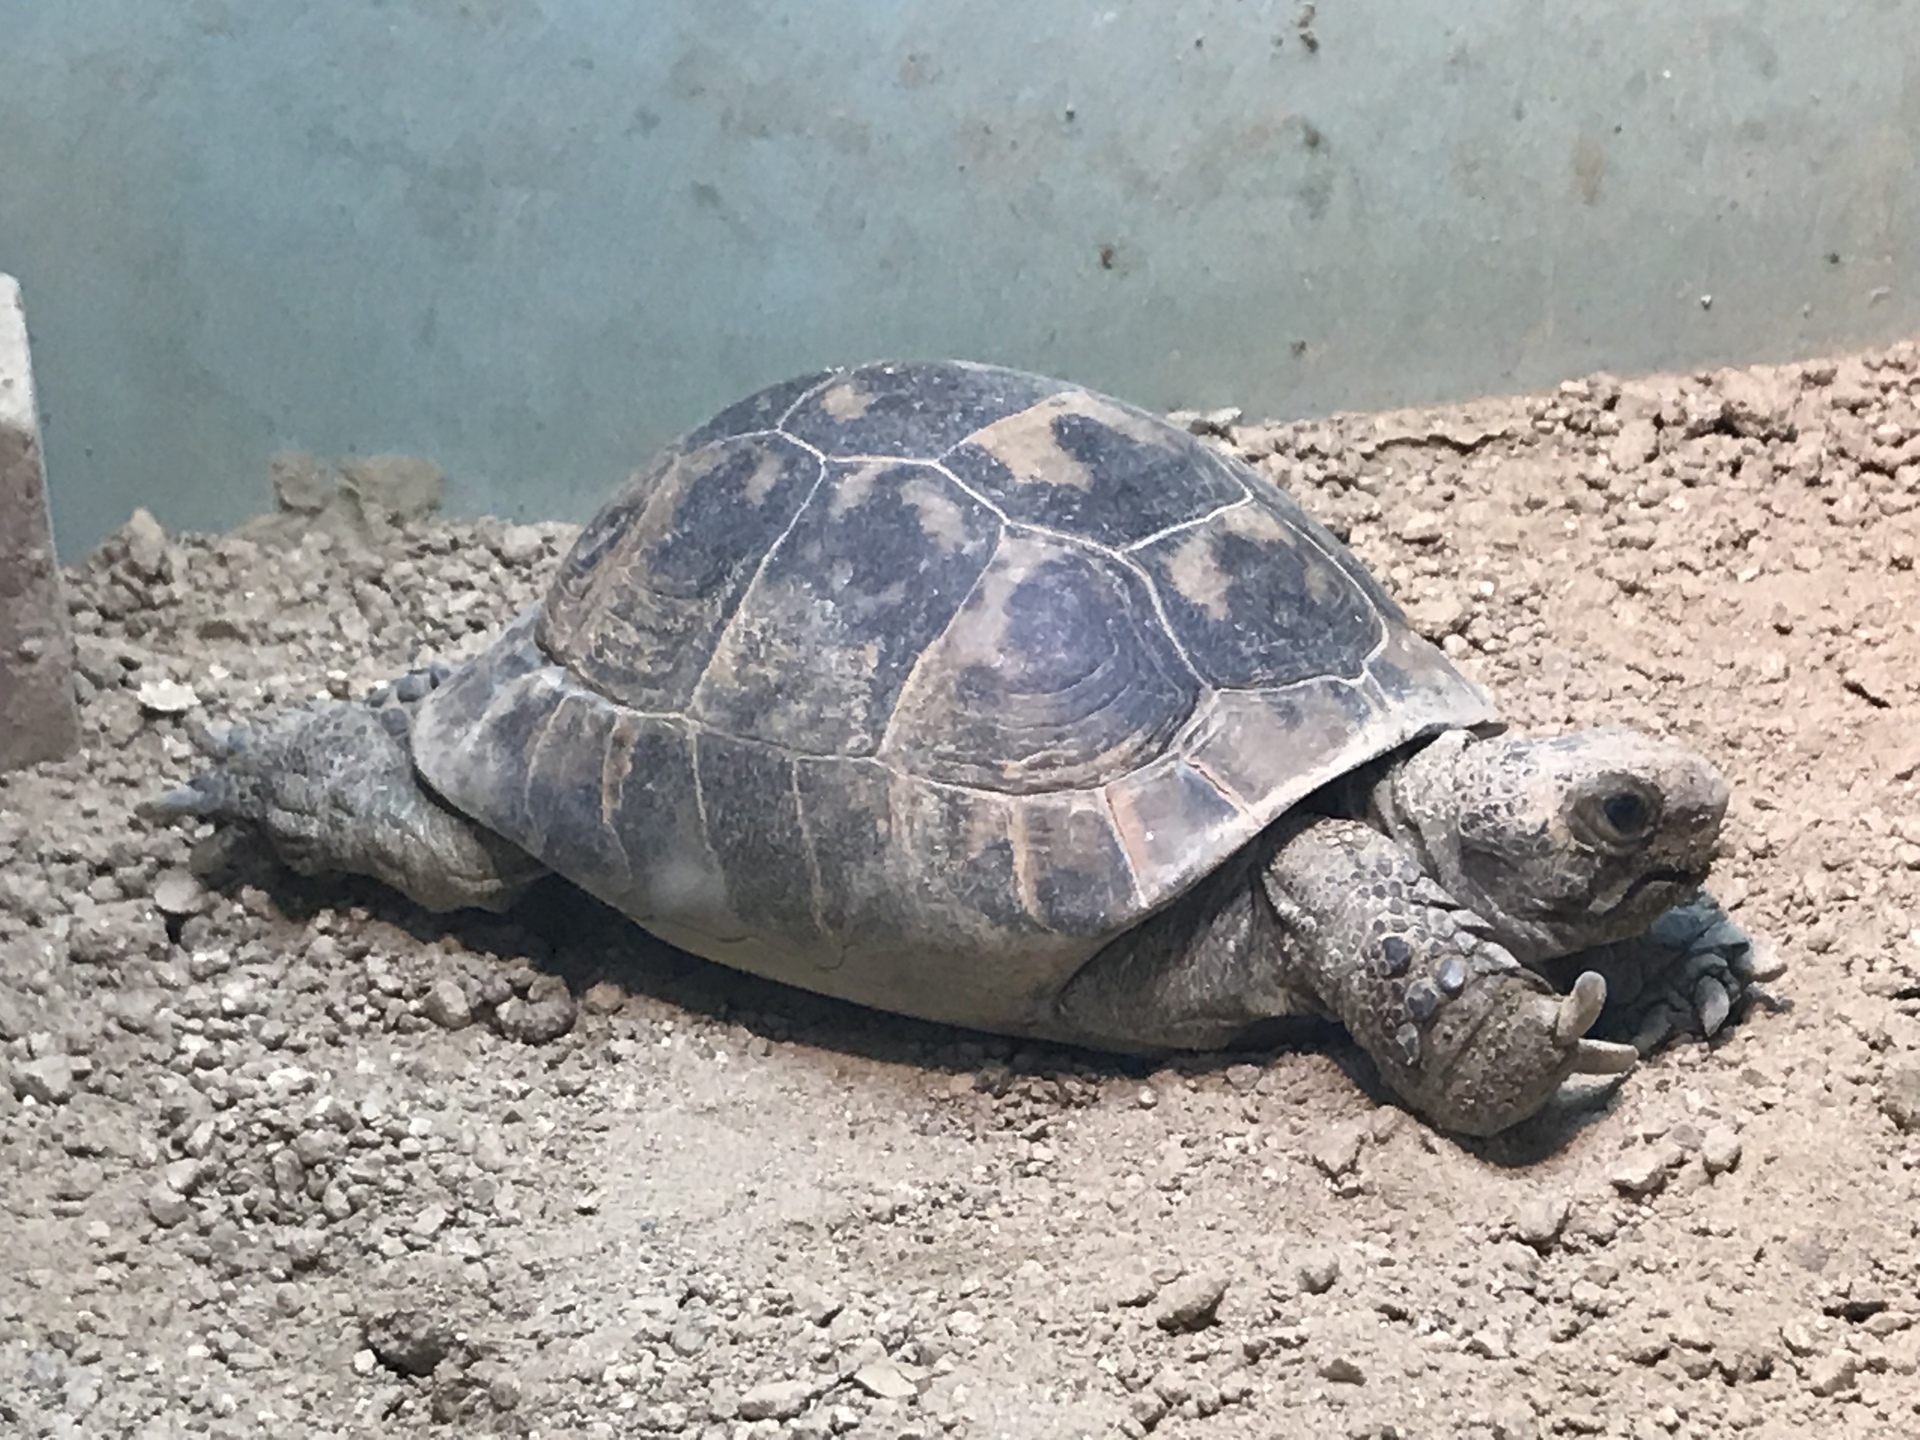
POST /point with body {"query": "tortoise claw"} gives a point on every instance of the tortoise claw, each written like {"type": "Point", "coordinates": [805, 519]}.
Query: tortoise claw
{"type": "Point", "coordinates": [1711, 1003]}
{"type": "Point", "coordinates": [1580, 1008]}
{"type": "Point", "coordinates": [1603, 1057]}
{"type": "Point", "coordinates": [210, 794]}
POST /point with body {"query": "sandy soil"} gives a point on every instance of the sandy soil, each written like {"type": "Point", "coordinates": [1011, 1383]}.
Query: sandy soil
{"type": "Point", "coordinates": [292, 1160]}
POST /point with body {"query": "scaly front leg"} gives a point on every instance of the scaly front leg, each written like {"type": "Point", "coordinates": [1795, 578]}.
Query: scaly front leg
{"type": "Point", "coordinates": [1458, 1028]}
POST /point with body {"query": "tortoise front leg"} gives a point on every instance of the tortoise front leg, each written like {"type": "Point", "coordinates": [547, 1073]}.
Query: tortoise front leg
{"type": "Point", "coordinates": [1458, 1028]}
{"type": "Point", "coordinates": [332, 790]}
{"type": "Point", "coordinates": [1339, 921]}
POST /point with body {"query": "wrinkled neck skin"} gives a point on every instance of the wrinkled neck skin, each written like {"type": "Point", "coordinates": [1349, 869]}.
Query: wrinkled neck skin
{"type": "Point", "coordinates": [1417, 802]}
{"type": "Point", "coordinates": [1517, 829]}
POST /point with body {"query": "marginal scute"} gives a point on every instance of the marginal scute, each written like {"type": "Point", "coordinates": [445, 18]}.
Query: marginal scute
{"type": "Point", "coordinates": [1054, 675]}
{"type": "Point", "coordinates": [1268, 746]}
{"type": "Point", "coordinates": [654, 813]}
{"type": "Point", "coordinates": [754, 830]}
{"type": "Point", "coordinates": [1072, 871]}
{"type": "Point", "coordinates": [1412, 678]}
{"type": "Point", "coordinates": [561, 794]}
{"type": "Point", "coordinates": [605, 795]}
{"type": "Point", "coordinates": [1175, 825]}
{"type": "Point", "coordinates": [475, 736]}
{"type": "Point", "coordinates": [976, 886]}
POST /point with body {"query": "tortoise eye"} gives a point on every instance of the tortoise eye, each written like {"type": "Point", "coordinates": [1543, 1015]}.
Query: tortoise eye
{"type": "Point", "coordinates": [1615, 815]}
{"type": "Point", "coordinates": [1628, 813]}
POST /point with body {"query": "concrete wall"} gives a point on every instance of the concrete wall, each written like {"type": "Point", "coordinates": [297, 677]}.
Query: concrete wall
{"type": "Point", "coordinates": [534, 238]}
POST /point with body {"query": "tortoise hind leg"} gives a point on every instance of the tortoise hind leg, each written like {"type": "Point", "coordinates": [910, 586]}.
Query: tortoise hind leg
{"type": "Point", "coordinates": [332, 790]}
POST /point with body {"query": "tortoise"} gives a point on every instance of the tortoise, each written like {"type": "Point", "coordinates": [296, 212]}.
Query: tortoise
{"type": "Point", "coordinates": [976, 696]}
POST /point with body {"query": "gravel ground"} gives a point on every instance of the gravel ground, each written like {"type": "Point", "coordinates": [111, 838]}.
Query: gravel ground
{"type": "Point", "coordinates": [293, 1160]}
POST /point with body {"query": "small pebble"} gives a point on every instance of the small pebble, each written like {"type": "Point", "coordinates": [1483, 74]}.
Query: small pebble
{"type": "Point", "coordinates": [1646, 1170]}
{"type": "Point", "coordinates": [1190, 1303]}
{"type": "Point", "coordinates": [446, 1005]}
{"type": "Point", "coordinates": [520, 545]}
{"type": "Point", "coordinates": [1342, 1370]}
{"type": "Point", "coordinates": [776, 1400]}
{"type": "Point", "coordinates": [167, 1206]}
{"type": "Point", "coordinates": [178, 893]}
{"type": "Point", "coordinates": [1134, 1287]}
{"type": "Point", "coordinates": [1833, 1373]}
{"type": "Point", "coordinates": [1336, 1151]}
{"type": "Point", "coordinates": [48, 1079]}
{"type": "Point", "coordinates": [544, 1016]}
{"type": "Point", "coordinates": [1900, 1097]}
{"type": "Point", "coordinates": [166, 697]}
{"type": "Point", "coordinates": [1540, 1220]}
{"type": "Point", "coordinates": [886, 1380]}
{"type": "Point", "coordinates": [1720, 1150]}
{"type": "Point", "coordinates": [1318, 1271]}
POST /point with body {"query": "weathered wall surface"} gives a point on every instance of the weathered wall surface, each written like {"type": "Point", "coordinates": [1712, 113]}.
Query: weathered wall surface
{"type": "Point", "coordinates": [533, 238]}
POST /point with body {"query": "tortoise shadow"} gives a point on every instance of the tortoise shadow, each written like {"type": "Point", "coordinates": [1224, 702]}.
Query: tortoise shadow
{"type": "Point", "coordinates": [558, 929]}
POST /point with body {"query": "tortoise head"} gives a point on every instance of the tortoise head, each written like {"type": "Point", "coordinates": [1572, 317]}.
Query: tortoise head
{"type": "Point", "coordinates": [1568, 841]}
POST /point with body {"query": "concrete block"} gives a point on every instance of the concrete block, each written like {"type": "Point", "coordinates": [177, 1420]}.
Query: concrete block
{"type": "Point", "coordinates": [38, 717]}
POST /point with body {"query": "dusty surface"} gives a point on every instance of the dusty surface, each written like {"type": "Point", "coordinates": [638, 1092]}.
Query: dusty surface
{"type": "Point", "coordinates": [290, 1160]}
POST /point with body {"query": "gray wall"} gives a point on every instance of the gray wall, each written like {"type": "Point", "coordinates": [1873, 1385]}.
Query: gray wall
{"type": "Point", "coordinates": [534, 238]}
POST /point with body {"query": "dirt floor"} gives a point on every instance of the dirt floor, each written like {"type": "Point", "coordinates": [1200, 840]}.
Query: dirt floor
{"type": "Point", "coordinates": [293, 1160]}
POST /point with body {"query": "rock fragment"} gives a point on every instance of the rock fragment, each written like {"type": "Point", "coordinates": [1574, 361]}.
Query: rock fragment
{"type": "Point", "coordinates": [48, 1080]}
{"type": "Point", "coordinates": [1540, 1220]}
{"type": "Point", "coordinates": [547, 1013]}
{"type": "Point", "coordinates": [446, 1004]}
{"type": "Point", "coordinates": [1336, 1151]}
{"type": "Point", "coordinates": [167, 1206]}
{"type": "Point", "coordinates": [776, 1400]}
{"type": "Point", "coordinates": [886, 1380]}
{"type": "Point", "coordinates": [1342, 1370]}
{"type": "Point", "coordinates": [1191, 1302]}
{"type": "Point", "coordinates": [166, 697]}
{"type": "Point", "coordinates": [409, 1341]}
{"type": "Point", "coordinates": [1833, 1373]}
{"type": "Point", "coordinates": [1720, 1150]}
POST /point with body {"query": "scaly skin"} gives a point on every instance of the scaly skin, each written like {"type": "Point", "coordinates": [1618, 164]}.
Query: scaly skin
{"type": "Point", "coordinates": [332, 790]}
{"type": "Point", "coordinates": [1410, 926]}
{"type": "Point", "coordinates": [1339, 921]}
{"type": "Point", "coordinates": [1458, 1028]}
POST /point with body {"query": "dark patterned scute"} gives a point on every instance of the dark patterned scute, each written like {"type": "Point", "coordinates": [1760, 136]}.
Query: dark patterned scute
{"type": "Point", "coordinates": [1093, 468]}
{"type": "Point", "coordinates": [1055, 674]}
{"type": "Point", "coordinates": [648, 589]}
{"type": "Point", "coordinates": [916, 684]}
{"type": "Point", "coordinates": [917, 411]}
{"type": "Point", "coordinates": [1256, 598]}
{"type": "Point", "coordinates": [870, 574]}
{"type": "Point", "coordinates": [762, 410]}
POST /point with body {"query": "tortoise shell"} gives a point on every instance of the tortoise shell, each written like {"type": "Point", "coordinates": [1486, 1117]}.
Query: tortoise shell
{"type": "Point", "coordinates": [918, 683]}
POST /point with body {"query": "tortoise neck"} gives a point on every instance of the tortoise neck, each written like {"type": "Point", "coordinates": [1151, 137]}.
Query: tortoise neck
{"type": "Point", "coordinates": [1417, 803]}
